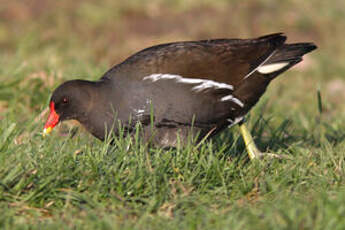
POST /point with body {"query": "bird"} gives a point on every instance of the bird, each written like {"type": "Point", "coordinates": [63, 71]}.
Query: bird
{"type": "Point", "coordinates": [179, 90]}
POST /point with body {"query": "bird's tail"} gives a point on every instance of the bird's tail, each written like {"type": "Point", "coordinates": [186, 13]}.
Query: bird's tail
{"type": "Point", "coordinates": [284, 58]}
{"type": "Point", "coordinates": [280, 60]}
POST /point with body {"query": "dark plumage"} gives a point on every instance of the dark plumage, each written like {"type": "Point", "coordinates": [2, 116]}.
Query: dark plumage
{"type": "Point", "coordinates": [209, 84]}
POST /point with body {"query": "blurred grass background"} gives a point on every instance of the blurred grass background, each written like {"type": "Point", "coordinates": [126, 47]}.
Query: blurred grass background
{"type": "Point", "coordinates": [44, 183]}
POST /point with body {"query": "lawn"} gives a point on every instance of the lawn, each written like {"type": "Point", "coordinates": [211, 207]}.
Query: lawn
{"type": "Point", "coordinates": [70, 180]}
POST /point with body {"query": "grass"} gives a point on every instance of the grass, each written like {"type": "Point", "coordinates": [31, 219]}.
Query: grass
{"type": "Point", "coordinates": [70, 180]}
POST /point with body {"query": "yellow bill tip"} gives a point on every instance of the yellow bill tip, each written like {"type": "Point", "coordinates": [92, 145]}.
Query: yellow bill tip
{"type": "Point", "coordinates": [47, 131]}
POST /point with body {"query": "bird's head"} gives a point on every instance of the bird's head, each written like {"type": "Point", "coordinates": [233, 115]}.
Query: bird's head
{"type": "Point", "coordinates": [69, 101]}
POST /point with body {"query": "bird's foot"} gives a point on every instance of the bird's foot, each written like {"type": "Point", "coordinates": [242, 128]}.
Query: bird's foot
{"type": "Point", "coordinates": [268, 155]}
{"type": "Point", "coordinates": [253, 151]}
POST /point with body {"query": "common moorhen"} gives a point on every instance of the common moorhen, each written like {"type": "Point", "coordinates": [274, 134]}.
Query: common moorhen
{"type": "Point", "coordinates": [180, 89]}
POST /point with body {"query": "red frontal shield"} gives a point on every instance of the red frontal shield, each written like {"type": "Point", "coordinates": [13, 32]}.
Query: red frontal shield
{"type": "Point", "coordinates": [53, 119]}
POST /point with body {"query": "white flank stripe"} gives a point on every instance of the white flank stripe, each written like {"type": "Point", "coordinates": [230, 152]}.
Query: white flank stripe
{"type": "Point", "coordinates": [270, 68]}
{"type": "Point", "coordinates": [140, 111]}
{"type": "Point", "coordinates": [211, 84]}
{"type": "Point", "coordinates": [202, 83]}
{"type": "Point", "coordinates": [156, 77]}
{"type": "Point", "coordinates": [234, 122]}
{"type": "Point", "coordinates": [233, 99]}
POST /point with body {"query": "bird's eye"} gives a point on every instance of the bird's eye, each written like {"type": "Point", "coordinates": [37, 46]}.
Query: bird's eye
{"type": "Point", "coordinates": [65, 101]}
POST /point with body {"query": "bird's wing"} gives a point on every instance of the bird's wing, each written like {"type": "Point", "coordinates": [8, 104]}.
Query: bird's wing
{"type": "Point", "coordinates": [175, 99]}
{"type": "Point", "coordinates": [226, 61]}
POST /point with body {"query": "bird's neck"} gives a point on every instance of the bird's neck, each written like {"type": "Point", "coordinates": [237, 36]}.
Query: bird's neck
{"type": "Point", "coordinates": [97, 113]}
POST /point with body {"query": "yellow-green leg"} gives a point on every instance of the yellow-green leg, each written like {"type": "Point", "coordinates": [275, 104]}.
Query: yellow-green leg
{"type": "Point", "coordinates": [253, 151]}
